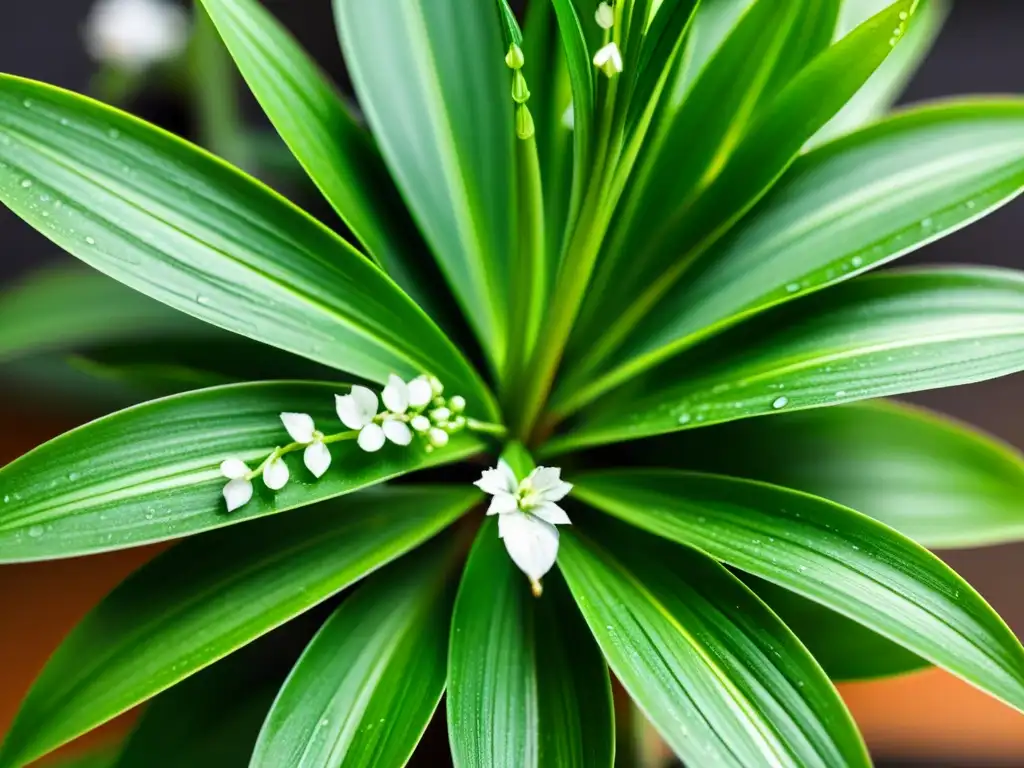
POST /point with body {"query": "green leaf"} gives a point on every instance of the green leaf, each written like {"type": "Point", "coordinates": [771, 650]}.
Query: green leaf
{"type": "Point", "coordinates": [171, 221]}
{"type": "Point", "coordinates": [696, 206]}
{"type": "Point", "coordinates": [210, 720]}
{"type": "Point", "coordinates": [60, 308]}
{"type": "Point", "coordinates": [839, 558]}
{"type": "Point", "coordinates": [844, 209]}
{"type": "Point", "coordinates": [209, 596]}
{"type": "Point", "coordinates": [938, 482]}
{"type": "Point", "coordinates": [581, 76]}
{"type": "Point", "coordinates": [881, 91]}
{"type": "Point", "coordinates": [337, 153]}
{"type": "Point", "coordinates": [431, 78]}
{"type": "Point", "coordinates": [510, 24]}
{"type": "Point", "coordinates": [527, 687]}
{"type": "Point", "coordinates": [881, 334]}
{"type": "Point", "coordinates": [152, 472]}
{"type": "Point", "coordinates": [717, 673]}
{"type": "Point", "coordinates": [369, 682]}
{"type": "Point", "coordinates": [846, 650]}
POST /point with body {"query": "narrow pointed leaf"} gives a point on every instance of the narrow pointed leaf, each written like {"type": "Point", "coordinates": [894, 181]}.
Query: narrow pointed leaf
{"type": "Point", "coordinates": [527, 687]}
{"type": "Point", "coordinates": [754, 153]}
{"type": "Point", "coordinates": [173, 222]}
{"type": "Point", "coordinates": [716, 672]}
{"type": "Point", "coordinates": [879, 93]}
{"type": "Point", "coordinates": [338, 154]}
{"type": "Point", "coordinates": [369, 682]}
{"type": "Point", "coordinates": [835, 556]}
{"type": "Point", "coordinates": [209, 596]}
{"type": "Point", "coordinates": [432, 81]}
{"type": "Point", "coordinates": [844, 209]}
{"type": "Point", "coordinates": [60, 309]}
{"type": "Point", "coordinates": [210, 720]}
{"type": "Point", "coordinates": [934, 480]}
{"type": "Point", "coordinates": [846, 650]}
{"type": "Point", "coordinates": [879, 335]}
{"type": "Point", "coordinates": [152, 472]}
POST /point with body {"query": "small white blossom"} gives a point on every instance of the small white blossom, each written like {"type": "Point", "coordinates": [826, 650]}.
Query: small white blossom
{"type": "Point", "coordinates": [135, 34]}
{"type": "Point", "coordinates": [238, 491]}
{"type": "Point", "coordinates": [301, 429]}
{"type": "Point", "coordinates": [358, 411]}
{"type": "Point", "coordinates": [605, 16]}
{"type": "Point", "coordinates": [275, 474]}
{"type": "Point", "coordinates": [609, 60]}
{"type": "Point", "coordinates": [527, 515]}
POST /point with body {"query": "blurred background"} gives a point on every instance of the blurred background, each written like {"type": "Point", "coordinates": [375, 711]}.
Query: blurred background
{"type": "Point", "coordinates": [924, 719]}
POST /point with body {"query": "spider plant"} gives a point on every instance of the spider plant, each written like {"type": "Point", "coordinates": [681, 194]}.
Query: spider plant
{"type": "Point", "coordinates": [603, 243]}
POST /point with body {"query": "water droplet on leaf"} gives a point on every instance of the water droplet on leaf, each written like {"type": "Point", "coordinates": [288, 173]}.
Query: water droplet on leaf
{"type": "Point", "coordinates": [780, 402]}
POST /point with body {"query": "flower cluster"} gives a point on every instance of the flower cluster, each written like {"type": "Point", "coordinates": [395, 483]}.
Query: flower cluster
{"type": "Point", "coordinates": [527, 515]}
{"type": "Point", "coordinates": [135, 34]}
{"type": "Point", "coordinates": [608, 59]}
{"type": "Point", "coordinates": [515, 60]}
{"type": "Point", "coordinates": [412, 409]}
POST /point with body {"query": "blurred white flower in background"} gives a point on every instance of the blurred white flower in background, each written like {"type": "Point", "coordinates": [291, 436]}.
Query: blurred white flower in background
{"type": "Point", "coordinates": [135, 34]}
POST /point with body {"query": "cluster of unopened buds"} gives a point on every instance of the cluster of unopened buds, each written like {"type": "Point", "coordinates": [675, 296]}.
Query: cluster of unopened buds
{"type": "Point", "coordinates": [412, 410]}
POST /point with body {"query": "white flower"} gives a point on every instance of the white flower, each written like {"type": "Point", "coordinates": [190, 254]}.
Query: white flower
{"type": "Point", "coordinates": [238, 491]}
{"type": "Point", "coordinates": [135, 33]}
{"type": "Point", "coordinates": [302, 430]}
{"type": "Point", "coordinates": [569, 118]}
{"type": "Point", "coordinates": [527, 515]}
{"type": "Point", "coordinates": [399, 397]}
{"type": "Point", "coordinates": [357, 411]}
{"type": "Point", "coordinates": [609, 60]}
{"type": "Point", "coordinates": [275, 474]}
{"type": "Point", "coordinates": [605, 16]}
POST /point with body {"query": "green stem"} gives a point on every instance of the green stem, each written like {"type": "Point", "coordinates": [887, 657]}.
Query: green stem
{"type": "Point", "coordinates": [487, 428]}
{"type": "Point", "coordinates": [214, 80]}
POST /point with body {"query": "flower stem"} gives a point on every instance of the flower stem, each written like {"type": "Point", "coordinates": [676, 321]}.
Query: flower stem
{"type": "Point", "coordinates": [486, 428]}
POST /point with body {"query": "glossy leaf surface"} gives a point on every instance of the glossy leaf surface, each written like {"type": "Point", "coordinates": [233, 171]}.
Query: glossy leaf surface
{"type": "Point", "coordinates": [879, 335]}
{"type": "Point", "coordinates": [61, 308]}
{"type": "Point", "coordinates": [211, 595]}
{"type": "Point", "coordinates": [527, 686]}
{"type": "Point", "coordinates": [844, 209]}
{"type": "Point", "coordinates": [152, 472]}
{"type": "Point", "coordinates": [431, 78]}
{"type": "Point", "coordinates": [369, 682]}
{"type": "Point", "coordinates": [939, 482]}
{"type": "Point", "coordinates": [712, 668]}
{"type": "Point", "coordinates": [885, 86]}
{"type": "Point", "coordinates": [844, 560]}
{"type": "Point", "coordinates": [336, 151]}
{"type": "Point", "coordinates": [171, 221]}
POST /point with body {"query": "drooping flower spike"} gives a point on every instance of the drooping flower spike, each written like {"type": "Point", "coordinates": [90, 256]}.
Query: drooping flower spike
{"type": "Point", "coordinates": [527, 515]}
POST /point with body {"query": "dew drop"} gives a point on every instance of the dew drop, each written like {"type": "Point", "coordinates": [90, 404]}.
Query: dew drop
{"type": "Point", "coordinates": [897, 32]}
{"type": "Point", "coordinates": [926, 223]}
{"type": "Point", "coordinates": [26, 183]}
{"type": "Point", "coordinates": [684, 419]}
{"type": "Point", "coordinates": [780, 402]}
{"type": "Point", "coordinates": [27, 103]}
{"type": "Point", "coordinates": [90, 240]}
{"type": "Point", "coordinates": [73, 476]}
{"type": "Point", "coordinates": [970, 204]}
{"type": "Point", "coordinates": [114, 133]}
{"type": "Point", "coordinates": [802, 568]}
{"type": "Point", "coordinates": [35, 531]}
{"type": "Point", "coordinates": [841, 393]}
{"type": "Point", "coordinates": [857, 261]}
{"type": "Point", "coordinates": [6, 499]}
{"type": "Point", "coordinates": [903, 15]}
{"type": "Point", "coordinates": [65, 122]}
{"type": "Point", "coordinates": [792, 287]}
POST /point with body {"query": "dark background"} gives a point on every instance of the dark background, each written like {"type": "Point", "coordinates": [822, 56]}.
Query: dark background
{"type": "Point", "coordinates": [980, 50]}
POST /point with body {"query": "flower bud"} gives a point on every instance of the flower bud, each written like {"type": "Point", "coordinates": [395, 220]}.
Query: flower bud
{"type": "Point", "coordinates": [436, 386]}
{"type": "Point", "coordinates": [420, 423]}
{"type": "Point", "coordinates": [605, 16]}
{"type": "Point", "coordinates": [440, 415]}
{"type": "Point", "coordinates": [520, 91]}
{"type": "Point", "coordinates": [438, 437]}
{"type": "Point", "coordinates": [457, 404]}
{"type": "Point", "coordinates": [514, 59]}
{"type": "Point", "coordinates": [524, 122]}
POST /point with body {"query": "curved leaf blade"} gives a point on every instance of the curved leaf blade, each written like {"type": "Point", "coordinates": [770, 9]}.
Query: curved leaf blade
{"type": "Point", "coordinates": [830, 554]}
{"type": "Point", "coordinates": [209, 596]}
{"type": "Point", "coordinates": [844, 209]}
{"type": "Point", "coordinates": [880, 335]}
{"type": "Point", "coordinates": [881, 91]}
{"type": "Point", "coordinates": [431, 79]}
{"type": "Point", "coordinates": [335, 150]}
{"type": "Point", "coordinates": [846, 650]}
{"type": "Point", "coordinates": [938, 482]}
{"type": "Point", "coordinates": [527, 687]}
{"type": "Point", "coordinates": [151, 472]}
{"type": "Point", "coordinates": [175, 223]}
{"type": "Point", "coordinates": [367, 685]}
{"type": "Point", "coordinates": [59, 309]}
{"type": "Point", "coordinates": [713, 669]}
